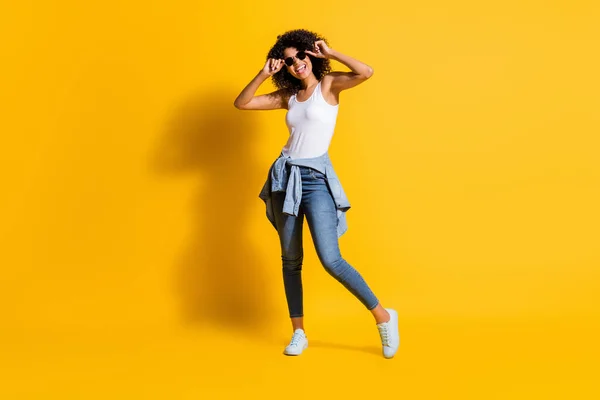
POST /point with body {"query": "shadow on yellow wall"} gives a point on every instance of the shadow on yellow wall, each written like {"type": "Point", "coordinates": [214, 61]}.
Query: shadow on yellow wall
{"type": "Point", "coordinates": [220, 277]}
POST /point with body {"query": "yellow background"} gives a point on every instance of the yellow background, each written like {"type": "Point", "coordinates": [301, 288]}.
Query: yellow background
{"type": "Point", "coordinates": [137, 260]}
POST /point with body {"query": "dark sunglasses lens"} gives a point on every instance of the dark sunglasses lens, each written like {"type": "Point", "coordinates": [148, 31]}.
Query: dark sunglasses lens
{"type": "Point", "coordinates": [289, 61]}
{"type": "Point", "coordinates": [301, 55]}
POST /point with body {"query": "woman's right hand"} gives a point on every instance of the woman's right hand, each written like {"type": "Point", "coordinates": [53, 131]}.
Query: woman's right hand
{"type": "Point", "coordinates": [273, 66]}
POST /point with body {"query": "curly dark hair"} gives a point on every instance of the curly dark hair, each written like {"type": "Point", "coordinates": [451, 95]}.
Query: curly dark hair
{"type": "Point", "coordinates": [300, 39]}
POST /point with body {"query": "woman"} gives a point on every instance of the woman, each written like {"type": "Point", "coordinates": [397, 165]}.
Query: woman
{"type": "Point", "coordinates": [302, 181]}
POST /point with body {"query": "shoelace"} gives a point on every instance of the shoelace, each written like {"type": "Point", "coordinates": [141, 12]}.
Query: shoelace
{"type": "Point", "coordinates": [384, 333]}
{"type": "Point", "coordinates": [295, 339]}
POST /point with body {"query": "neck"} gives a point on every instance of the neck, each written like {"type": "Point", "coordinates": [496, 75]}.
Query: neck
{"type": "Point", "coordinates": [309, 81]}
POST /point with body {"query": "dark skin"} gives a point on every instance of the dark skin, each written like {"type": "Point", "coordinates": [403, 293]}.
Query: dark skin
{"type": "Point", "coordinates": [332, 85]}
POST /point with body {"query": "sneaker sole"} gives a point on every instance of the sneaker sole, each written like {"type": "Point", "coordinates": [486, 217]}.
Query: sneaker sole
{"type": "Point", "coordinates": [398, 327]}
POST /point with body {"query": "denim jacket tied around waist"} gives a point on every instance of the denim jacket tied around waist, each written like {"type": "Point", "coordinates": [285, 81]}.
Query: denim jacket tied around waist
{"type": "Point", "coordinates": [279, 180]}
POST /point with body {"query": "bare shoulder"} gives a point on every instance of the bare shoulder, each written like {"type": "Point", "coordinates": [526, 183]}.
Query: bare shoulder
{"type": "Point", "coordinates": [343, 80]}
{"type": "Point", "coordinates": [334, 76]}
{"type": "Point", "coordinates": [330, 95]}
{"type": "Point", "coordinates": [285, 95]}
{"type": "Point", "coordinates": [269, 101]}
{"type": "Point", "coordinates": [327, 79]}
{"type": "Point", "coordinates": [282, 97]}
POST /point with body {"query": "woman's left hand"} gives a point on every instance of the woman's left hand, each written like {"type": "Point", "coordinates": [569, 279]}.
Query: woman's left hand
{"type": "Point", "coordinates": [321, 50]}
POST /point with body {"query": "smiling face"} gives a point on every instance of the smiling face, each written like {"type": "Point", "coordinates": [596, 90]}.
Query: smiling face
{"type": "Point", "coordinates": [300, 68]}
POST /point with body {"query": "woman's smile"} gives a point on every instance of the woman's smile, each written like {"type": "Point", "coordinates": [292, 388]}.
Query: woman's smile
{"type": "Point", "coordinates": [303, 58]}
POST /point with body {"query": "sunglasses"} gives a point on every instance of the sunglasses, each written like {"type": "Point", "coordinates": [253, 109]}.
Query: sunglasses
{"type": "Point", "coordinates": [301, 55]}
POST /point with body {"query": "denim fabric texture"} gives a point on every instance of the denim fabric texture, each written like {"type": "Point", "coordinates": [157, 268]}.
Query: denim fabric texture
{"type": "Point", "coordinates": [282, 178]}
{"type": "Point", "coordinates": [308, 195]}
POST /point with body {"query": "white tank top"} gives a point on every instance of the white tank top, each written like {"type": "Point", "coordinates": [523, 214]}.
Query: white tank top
{"type": "Point", "coordinates": [311, 124]}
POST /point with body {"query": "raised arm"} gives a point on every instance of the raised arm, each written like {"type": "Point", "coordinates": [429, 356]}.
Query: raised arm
{"type": "Point", "coordinates": [270, 101]}
{"type": "Point", "coordinates": [360, 71]}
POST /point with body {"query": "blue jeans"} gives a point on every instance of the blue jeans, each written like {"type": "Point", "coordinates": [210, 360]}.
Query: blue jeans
{"type": "Point", "coordinates": [321, 214]}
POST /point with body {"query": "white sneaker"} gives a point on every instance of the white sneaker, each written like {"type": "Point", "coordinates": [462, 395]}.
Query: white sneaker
{"type": "Point", "coordinates": [390, 336]}
{"type": "Point", "coordinates": [298, 343]}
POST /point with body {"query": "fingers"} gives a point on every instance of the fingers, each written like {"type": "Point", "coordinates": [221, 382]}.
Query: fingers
{"type": "Point", "coordinates": [319, 44]}
{"type": "Point", "coordinates": [275, 64]}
